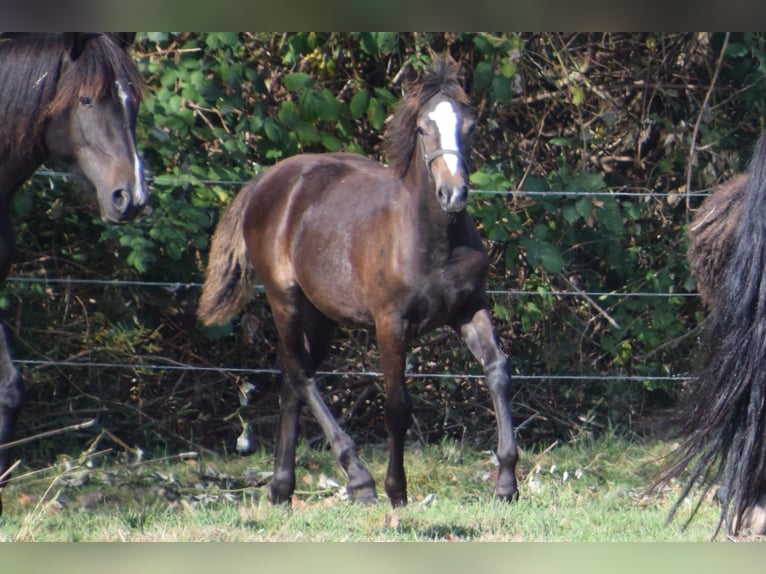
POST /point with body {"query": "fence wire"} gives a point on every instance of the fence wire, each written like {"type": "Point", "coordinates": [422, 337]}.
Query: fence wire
{"type": "Point", "coordinates": [180, 286]}
{"type": "Point", "coordinates": [622, 192]}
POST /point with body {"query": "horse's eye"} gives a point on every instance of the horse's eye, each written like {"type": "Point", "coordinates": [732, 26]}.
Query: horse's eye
{"type": "Point", "coordinates": [86, 101]}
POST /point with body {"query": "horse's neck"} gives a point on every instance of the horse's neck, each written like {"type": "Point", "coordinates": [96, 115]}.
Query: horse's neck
{"type": "Point", "coordinates": [14, 171]}
{"type": "Point", "coordinates": [438, 232]}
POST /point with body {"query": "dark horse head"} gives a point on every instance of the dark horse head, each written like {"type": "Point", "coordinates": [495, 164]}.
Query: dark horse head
{"type": "Point", "coordinates": [73, 98]}
{"type": "Point", "coordinates": [440, 111]}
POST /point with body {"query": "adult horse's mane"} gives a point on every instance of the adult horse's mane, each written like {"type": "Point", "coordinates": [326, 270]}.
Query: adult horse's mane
{"type": "Point", "coordinates": [400, 138]}
{"type": "Point", "coordinates": [42, 61]}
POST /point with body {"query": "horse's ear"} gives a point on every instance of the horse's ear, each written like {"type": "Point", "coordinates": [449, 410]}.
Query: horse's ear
{"type": "Point", "coordinates": [77, 42]}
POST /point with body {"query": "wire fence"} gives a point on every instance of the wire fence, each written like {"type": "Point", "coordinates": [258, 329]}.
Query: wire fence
{"type": "Point", "coordinates": [622, 192]}
{"type": "Point", "coordinates": [154, 364]}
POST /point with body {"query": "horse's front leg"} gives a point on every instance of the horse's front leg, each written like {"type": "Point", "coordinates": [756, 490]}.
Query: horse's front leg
{"type": "Point", "coordinates": [480, 338]}
{"type": "Point", "coordinates": [11, 397]}
{"type": "Point", "coordinates": [398, 406]}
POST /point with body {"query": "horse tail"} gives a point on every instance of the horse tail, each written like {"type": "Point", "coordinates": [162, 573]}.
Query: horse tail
{"type": "Point", "coordinates": [230, 276]}
{"type": "Point", "coordinates": [725, 429]}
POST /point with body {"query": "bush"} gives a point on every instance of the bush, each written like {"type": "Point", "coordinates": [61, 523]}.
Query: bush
{"type": "Point", "coordinates": [592, 132]}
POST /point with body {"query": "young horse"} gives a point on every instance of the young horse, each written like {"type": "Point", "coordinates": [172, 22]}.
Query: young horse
{"type": "Point", "coordinates": [72, 98]}
{"type": "Point", "coordinates": [726, 426]}
{"type": "Point", "coordinates": [337, 238]}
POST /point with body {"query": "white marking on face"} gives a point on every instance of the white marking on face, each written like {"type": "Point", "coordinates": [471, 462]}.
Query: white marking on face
{"type": "Point", "coordinates": [447, 121]}
{"type": "Point", "coordinates": [139, 193]}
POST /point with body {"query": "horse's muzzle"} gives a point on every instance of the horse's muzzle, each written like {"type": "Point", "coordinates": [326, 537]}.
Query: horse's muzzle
{"type": "Point", "coordinates": [122, 207]}
{"type": "Point", "coordinates": [452, 199]}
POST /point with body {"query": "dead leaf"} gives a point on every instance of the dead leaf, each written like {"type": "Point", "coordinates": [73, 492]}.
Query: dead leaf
{"type": "Point", "coordinates": [25, 500]}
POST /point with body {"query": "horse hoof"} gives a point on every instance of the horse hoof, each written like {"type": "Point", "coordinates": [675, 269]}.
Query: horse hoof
{"type": "Point", "coordinates": [365, 497]}
{"type": "Point", "coordinates": [509, 496]}
{"type": "Point", "coordinates": [277, 498]}
{"type": "Point", "coordinates": [754, 518]}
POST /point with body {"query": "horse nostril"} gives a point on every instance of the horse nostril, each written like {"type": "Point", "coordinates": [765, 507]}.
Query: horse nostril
{"type": "Point", "coordinates": [121, 200]}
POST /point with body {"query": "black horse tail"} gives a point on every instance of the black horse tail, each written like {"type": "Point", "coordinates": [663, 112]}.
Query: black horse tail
{"type": "Point", "coordinates": [725, 429]}
{"type": "Point", "coordinates": [230, 276]}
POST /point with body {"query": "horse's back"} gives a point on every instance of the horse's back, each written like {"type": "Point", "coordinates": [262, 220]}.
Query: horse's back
{"type": "Point", "coordinates": [305, 218]}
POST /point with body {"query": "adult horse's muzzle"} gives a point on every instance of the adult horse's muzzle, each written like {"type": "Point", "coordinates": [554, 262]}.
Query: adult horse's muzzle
{"type": "Point", "coordinates": [123, 206]}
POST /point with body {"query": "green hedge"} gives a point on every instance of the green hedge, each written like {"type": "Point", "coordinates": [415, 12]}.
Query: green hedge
{"type": "Point", "coordinates": [586, 113]}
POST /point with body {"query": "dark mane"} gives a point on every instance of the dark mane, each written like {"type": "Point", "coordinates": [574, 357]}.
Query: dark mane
{"type": "Point", "coordinates": [38, 59]}
{"type": "Point", "coordinates": [399, 141]}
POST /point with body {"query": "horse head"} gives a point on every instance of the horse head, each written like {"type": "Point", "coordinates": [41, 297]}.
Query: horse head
{"type": "Point", "coordinates": [444, 128]}
{"type": "Point", "coordinates": [92, 120]}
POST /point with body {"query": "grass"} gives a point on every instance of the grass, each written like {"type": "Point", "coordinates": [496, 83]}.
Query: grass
{"type": "Point", "coordinates": [587, 490]}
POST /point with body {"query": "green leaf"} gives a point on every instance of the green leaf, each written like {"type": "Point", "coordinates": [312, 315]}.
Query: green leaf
{"type": "Point", "coordinates": [274, 131]}
{"type": "Point", "coordinates": [297, 81]}
{"type": "Point", "coordinates": [386, 96]}
{"type": "Point", "coordinates": [482, 44]}
{"type": "Point", "coordinates": [288, 114]}
{"type": "Point", "coordinates": [562, 141]}
{"type": "Point", "coordinates": [497, 233]}
{"type": "Point", "coordinates": [736, 50]}
{"type": "Point", "coordinates": [481, 179]}
{"type": "Point", "coordinates": [584, 207]}
{"type": "Point", "coordinates": [330, 142]}
{"type": "Point", "coordinates": [501, 89]}
{"type": "Point", "coordinates": [540, 231]}
{"type": "Point", "coordinates": [578, 96]}
{"type": "Point", "coordinates": [376, 114]}
{"type": "Point", "coordinates": [569, 211]}
{"type": "Point", "coordinates": [535, 183]}
{"type": "Point", "coordinates": [542, 253]}
{"type": "Point", "coordinates": [509, 69]}
{"type": "Point", "coordinates": [307, 133]}
{"type": "Point", "coordinates": [358, 103]}
{"type": "Point", "coordinates": [550, 257]}
{"type": "Point", "coordinates": [368, 44]}
{"type": "Point", "coordinates": [387, 42]}
{"type": "Point", "coordinates": [501, 312]}
{"type": "Point", "coordinates": [327, 107]}
{"type": "Point", "coordinates": [482, 76]}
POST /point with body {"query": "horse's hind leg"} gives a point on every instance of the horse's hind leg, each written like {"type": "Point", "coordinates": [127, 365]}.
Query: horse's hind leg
{"type": "Point", "coordinates": [11, 384]}
{"type": "Point", "coordinates": [480, 338]}
{"type": "Point", "coordinates": [282, 485]}
{"type": "Point", "coordinates": [11, 397]}
{"type": "Point", "coordinates": [298, 368]}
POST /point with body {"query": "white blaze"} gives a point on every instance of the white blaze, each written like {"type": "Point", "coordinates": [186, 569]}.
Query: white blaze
{"type": "Point", "coordinates": [446, 121]}
{"type": "Point", "coordinates": [139, 191]}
